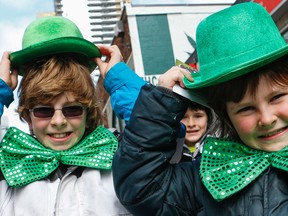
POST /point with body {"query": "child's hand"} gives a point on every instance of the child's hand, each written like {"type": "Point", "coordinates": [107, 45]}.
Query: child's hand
{"type": "Point", "coordinates": [174, 76]}
{"type": "Point", "coordinates": [10, 78]}
{"type": "Point", "coordinates": [114, 56]}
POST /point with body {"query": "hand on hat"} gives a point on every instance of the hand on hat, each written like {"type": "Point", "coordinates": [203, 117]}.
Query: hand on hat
{"type": "Point", "coordinates": [11, 79]}
{"type": "Point", "coordinates": [174, 76]}
{"type": "Point", "coordinates": [114, 56]}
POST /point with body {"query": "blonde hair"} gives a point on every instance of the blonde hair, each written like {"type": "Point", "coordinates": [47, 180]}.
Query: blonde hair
{"type": "Point", "coordinates": [46, 79]}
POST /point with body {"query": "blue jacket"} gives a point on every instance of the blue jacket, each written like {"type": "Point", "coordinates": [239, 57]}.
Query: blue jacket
{"type": "Point", "coordinates": [6, 96]}
{"type": "Point", "coordinates": [123, 85]}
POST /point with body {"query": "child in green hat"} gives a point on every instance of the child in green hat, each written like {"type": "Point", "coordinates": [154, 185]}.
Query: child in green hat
{"type": "Point", "coordinates": [243, 74]}
{"type": "Point", "coordinates": [64, 166]}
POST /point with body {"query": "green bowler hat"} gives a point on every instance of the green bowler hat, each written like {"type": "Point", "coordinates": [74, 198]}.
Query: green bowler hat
{"type": "Point", "coordinates": [235, 41]}
{"type": "Point", "coordinates": [53, 35]}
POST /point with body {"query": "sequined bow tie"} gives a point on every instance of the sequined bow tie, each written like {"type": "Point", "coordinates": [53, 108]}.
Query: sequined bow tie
{"type": "Point", "coordinates": [24, 159]}
{"type": "Point", "coordinates": [227, 167]}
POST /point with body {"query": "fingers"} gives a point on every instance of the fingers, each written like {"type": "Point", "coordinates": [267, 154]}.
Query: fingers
{"type": "Point", "coordinates": [170, 77]}
{"type": "Point", "coordinates": [5, 66]}
{"type": "Point", "coordinates": [14, 79]}
{"type": "Point", "coordinates": [101, 66]}
{"type": "Point", "coordinates": [11, 78]}
{"type": "Point", "coordinates": [174, 76]}
{"type": "Point", "coordinates": [187, 74]}
{"type": "Point", "coordinates": [113, 56]}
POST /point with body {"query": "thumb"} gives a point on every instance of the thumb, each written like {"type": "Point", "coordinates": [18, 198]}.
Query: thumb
{"type": "Point", "coordinates": [188, 75]}
{"type": "Point", "coordinates": [101, 66]}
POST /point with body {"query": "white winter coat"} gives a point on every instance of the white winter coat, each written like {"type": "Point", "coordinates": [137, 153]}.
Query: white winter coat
{"type": "Point", "coordinates": [91, 193]}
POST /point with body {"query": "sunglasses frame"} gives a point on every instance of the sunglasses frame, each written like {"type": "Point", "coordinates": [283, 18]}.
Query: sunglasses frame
{"type": "Point", "coordinates": [50, 111]}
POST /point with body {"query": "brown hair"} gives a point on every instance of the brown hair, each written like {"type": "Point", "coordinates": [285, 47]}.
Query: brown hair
{"type": "Point", "coordinates": [47, 78]}
{"type": "Point", "coordinates": [234, 90]}
{"type": "Point", "coordinates": [212, 118]}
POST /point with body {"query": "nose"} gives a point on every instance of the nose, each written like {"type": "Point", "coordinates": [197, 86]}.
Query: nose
{"type": "Point", "coordinates": [190, 122]}
{"type": "Point", "coordinates": [58, 119]}
{"type": "Point", "coordinates": [267, 118]}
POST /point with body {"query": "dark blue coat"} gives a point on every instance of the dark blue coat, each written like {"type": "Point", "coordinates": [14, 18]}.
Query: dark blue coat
{"type": "Point", "coordinates": [147, 184]}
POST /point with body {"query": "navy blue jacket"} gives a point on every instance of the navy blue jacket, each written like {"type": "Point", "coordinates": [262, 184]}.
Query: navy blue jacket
{"type": "Point", "coordinates": [147, 184]}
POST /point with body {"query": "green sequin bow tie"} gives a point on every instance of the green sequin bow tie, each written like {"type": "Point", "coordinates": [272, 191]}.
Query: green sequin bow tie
{"type": "Point", "coordinates": [24, 159]}
{"type": "Point", "coordinates": [227, 166]}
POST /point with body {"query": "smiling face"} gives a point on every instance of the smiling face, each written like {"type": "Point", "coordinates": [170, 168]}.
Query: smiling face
{"type": "Point", "coordinates": [196, 125]}
{"type": "Point", "coordinates": [261, 121]}
{"type": "Point", "coordinates": [59, 132]}
{"type": "Point", "coordinates": [254, 106]}
{"type": "Point", "coordinates": [58, 82]}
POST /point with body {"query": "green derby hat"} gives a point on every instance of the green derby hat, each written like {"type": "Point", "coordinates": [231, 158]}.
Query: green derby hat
{"type": "Point", "coordinates": [53, 35]}
{"type": "Point", "coordinates": [235, 41]}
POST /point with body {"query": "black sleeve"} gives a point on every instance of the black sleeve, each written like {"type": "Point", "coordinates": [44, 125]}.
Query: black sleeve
{"type": "Point", "coordinates": [145, 182]}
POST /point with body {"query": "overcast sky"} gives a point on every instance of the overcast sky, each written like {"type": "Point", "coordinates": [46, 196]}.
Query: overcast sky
{"type": "Point", "coordinates": [15, 15]}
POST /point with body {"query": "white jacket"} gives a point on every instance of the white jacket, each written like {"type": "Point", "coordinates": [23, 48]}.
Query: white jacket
{"type": "Point", "coordinates": [91, 193]}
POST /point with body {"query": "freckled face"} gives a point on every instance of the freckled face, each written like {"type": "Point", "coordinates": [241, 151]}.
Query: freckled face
{"type": "Point", "coordinates": [196, 125]}
{"type": "Point", "coordinates": [59, 132]}
{"type": "Point", "coordinates": [262, 121]}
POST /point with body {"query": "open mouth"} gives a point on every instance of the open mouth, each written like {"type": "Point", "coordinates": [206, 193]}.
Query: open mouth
{"type": "Point", "coordinates": [60, 135]}
{"type": "Point", "coordinates": [274, 132]}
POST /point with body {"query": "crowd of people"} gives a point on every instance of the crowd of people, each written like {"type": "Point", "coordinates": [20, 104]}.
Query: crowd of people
{"type": "Point", "coordinates": [75, 166]}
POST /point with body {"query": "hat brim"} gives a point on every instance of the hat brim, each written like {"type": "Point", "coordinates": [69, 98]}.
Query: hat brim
{"type": "Point", "coordinates": [55, 46]}
{"type": "Point", "coordinates": [194, 96]}
{"type": "Point", "coordinates": [235, 71]}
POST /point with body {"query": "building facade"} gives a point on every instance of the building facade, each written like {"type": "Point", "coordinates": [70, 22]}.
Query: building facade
{"type": "Point", "coordinates": [97, 19]}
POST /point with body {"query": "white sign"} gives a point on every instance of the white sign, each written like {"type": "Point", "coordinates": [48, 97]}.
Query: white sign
{"type": "Point", "coordinates": [152, 79]}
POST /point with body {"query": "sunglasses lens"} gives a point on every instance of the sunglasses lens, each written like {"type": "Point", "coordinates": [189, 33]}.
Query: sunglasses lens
{"type": "Point", "coordinates": [43, 112]}
{"type": "Point", "coordinates": [72, 111]}
{"type": "Point", "coordinates": [48, 112]}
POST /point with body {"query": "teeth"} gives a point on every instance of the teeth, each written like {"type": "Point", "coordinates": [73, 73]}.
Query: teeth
{"type": "Point", "coordinates": [273, 133]}
{"type": "Point", "coordinates": [59, 135]}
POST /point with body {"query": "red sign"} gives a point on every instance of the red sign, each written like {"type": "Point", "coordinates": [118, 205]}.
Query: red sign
{"type": "Point", "coordinates": [269, 4]}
